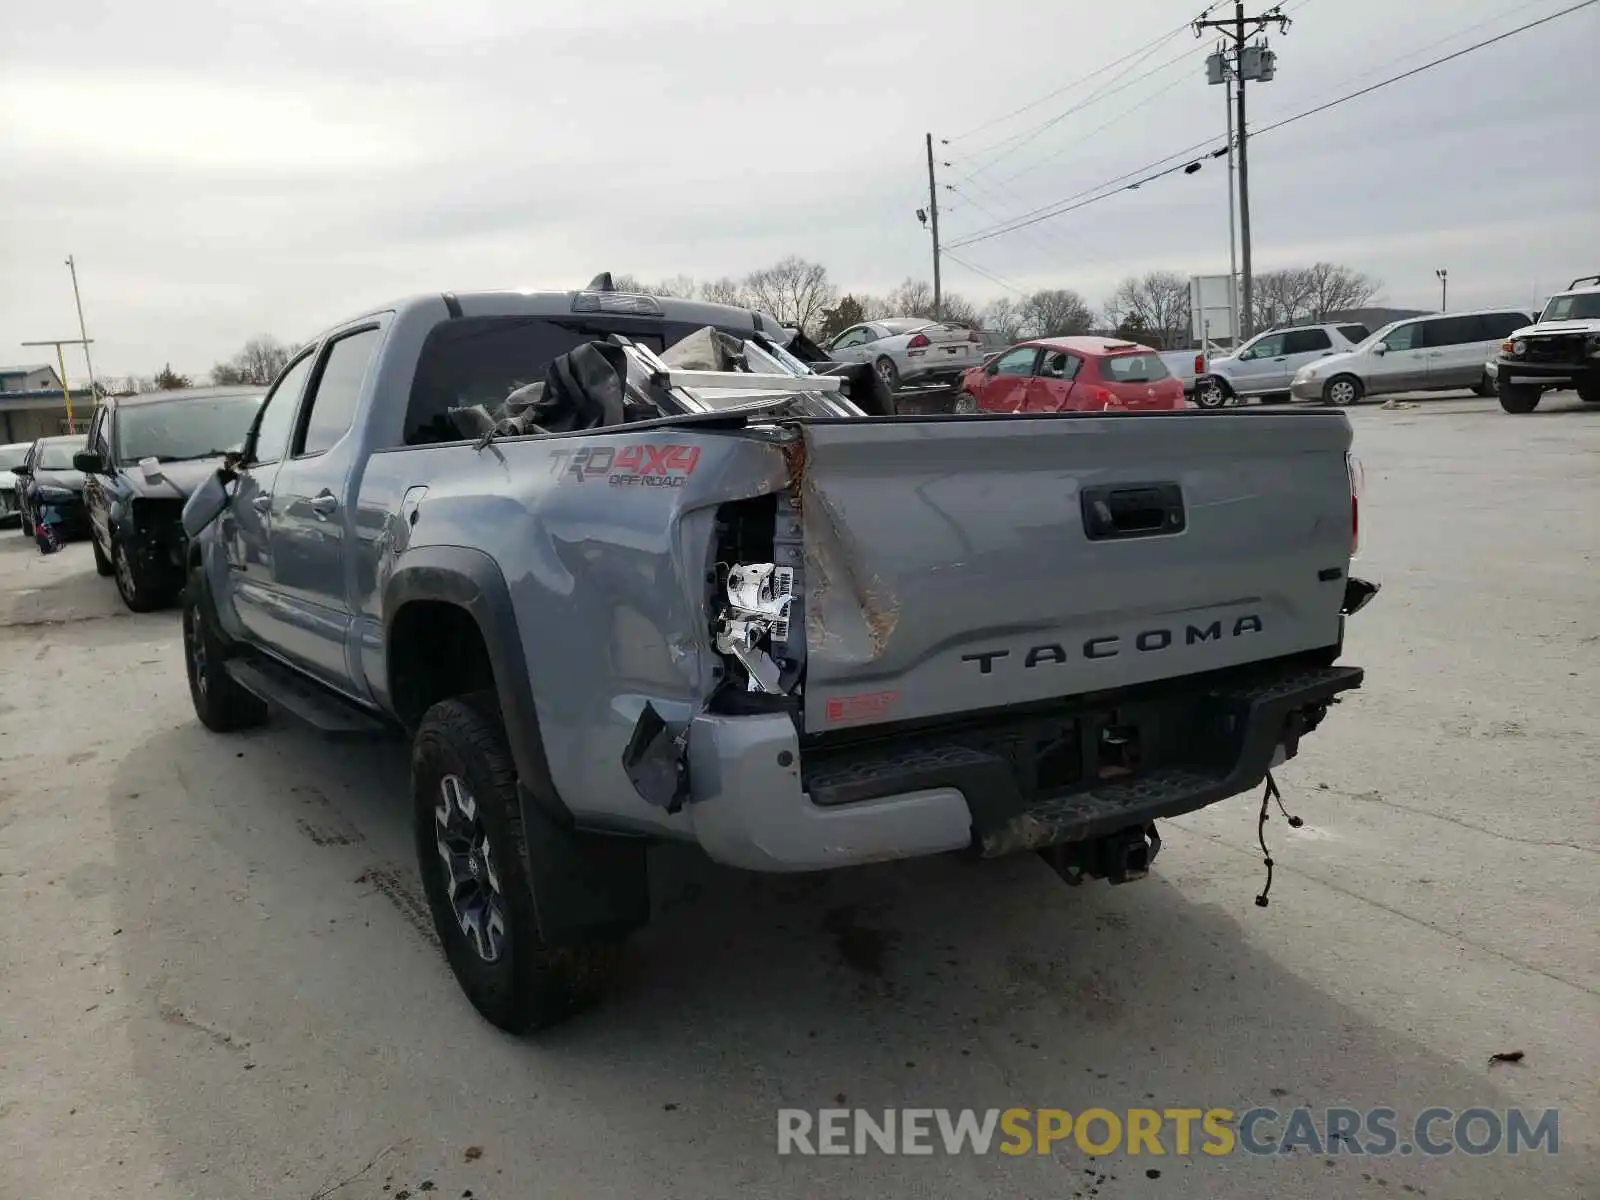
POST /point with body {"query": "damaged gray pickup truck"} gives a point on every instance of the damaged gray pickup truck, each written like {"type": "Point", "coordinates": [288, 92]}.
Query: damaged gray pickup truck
{"type": "Point", "coordinates": [624, 570]}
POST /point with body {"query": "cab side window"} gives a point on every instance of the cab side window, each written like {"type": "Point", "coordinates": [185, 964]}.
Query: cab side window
{"type": "Point", "coordinates": [337, 389]}
{"type": "Point", "coordinates": [278, 409]}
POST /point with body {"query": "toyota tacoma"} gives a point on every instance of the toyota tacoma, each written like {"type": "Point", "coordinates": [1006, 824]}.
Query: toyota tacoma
{"type": "Point", "coordinates": [624, 571]}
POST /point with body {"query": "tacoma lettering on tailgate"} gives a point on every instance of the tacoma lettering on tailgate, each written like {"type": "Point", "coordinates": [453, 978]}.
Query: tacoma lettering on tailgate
{"type": "Point", "coordinates": [1112, 645]}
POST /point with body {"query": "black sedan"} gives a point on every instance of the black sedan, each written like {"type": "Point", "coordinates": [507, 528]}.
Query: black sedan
{"type": "Point", "coordinates": [144, 457]}
{"type": "Point", "coordinates": [47, 477]}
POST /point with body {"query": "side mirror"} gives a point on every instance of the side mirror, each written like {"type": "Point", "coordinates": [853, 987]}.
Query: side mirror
{"type": "Point", "coordinates": [89, 462]}
{"type": "Point", "coordinates": [21, 470]}
{"type": "Point", "coordinates": [204, 506]}
{"type": "Point", "coordinates": [1381, 349]}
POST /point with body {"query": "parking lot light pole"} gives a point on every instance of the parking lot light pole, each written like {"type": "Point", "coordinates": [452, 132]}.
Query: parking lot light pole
{"type": "Point", "coordinates": [1443, 275]}
{"type": "Point", "coordinates": [933, 220]}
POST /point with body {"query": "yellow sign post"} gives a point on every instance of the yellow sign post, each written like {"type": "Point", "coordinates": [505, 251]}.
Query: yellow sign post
{"type": "Point", "coordinates": [61, 360]}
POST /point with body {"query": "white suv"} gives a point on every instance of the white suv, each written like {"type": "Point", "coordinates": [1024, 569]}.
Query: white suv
{"type": "Point", "coordinates": [1266, 364]}
{"type": "Point", "coordinates": [1560, 349]}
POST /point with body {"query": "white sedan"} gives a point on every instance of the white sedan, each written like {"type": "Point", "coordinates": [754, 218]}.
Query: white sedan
{"type": "Point", "coordinates": [908, 350]}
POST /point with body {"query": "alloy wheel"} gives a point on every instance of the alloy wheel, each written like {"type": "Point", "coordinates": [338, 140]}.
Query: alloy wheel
{"type": "Point", "coordinates": [1341, 392]}
{"type": "Point", "coordinates": [471, 881]}
{"type": "Point", "coordinates": [194, 637]}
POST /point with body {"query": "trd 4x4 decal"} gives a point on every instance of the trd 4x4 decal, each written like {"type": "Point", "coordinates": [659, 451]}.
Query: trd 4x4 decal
{"type": "Point", "coordinates": [646, 465]}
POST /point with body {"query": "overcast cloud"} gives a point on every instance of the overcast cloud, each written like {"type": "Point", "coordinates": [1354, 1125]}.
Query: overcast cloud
{"type": "Point", "coordinates": [222, 170]}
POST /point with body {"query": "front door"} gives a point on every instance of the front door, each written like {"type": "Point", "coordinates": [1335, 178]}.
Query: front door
{"type": "Point", "coordinates": [96, 492]}
{"type": "Point", "coordinates": [312, 531]}
{"type": "Point", "coordinates": [1261, 367]}
{"type": "Point", "coordinates": [1006, 380]}
{"type": "Point", "coordinates": [850, 346]}
{"type": "Point", "coordinates": [1403, 366]}
{"type": "Point", "coordinates": [245, 598]}
{"type": "Point", "coordinates": [1052, 383]}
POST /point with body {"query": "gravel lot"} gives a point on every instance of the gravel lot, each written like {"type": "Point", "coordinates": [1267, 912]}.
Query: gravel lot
{"type": "Point", "coordinates": [217, 979]}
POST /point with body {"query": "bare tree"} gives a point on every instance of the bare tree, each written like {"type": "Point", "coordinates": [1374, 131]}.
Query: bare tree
{"type": "Point", "coordinates": [913, 298]}
{"type": "Point", "coordinates": [1056, 312]}
{"type": "Point", "coordinates": [725, 291]}
{"type": "Point", "coordinates": [794, 291]}
{"type": "Point", "coordinates": [258, 363]}
{"type": "Point", "coordinates": [1003, 316]}
{"type": "Point", "coordinates": [676, 285]}
{"type": "Point", "coordinates": [1332, 287]}
{"type": "Point", "coordinates": [1298, 295]}
{"type": "Point", "coordinates": [1156, 303]}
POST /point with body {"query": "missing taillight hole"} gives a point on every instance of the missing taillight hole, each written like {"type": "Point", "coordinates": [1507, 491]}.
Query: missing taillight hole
{"type": "Point", "coordinates": [754, 603]}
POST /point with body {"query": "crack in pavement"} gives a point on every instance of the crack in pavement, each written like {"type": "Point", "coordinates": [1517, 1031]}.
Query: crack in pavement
{"type": "Point", "coordinates": [1253, 853]}
{"type": "Point", "coordinates": [1378, 798]}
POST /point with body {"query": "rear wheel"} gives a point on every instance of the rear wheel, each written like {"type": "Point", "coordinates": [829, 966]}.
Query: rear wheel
{"type": "Point", "coordinates": [1211, 392]}
{"type": "Point", "coordinates": [1518, 397]}
{"type": "Point", "coordinates": [1342, 391]}
{"type": "Point", "coordinates": [1589, 391]}
{"type": "Point", "coordinates": [1484, 387]}
{"type": "Point", "coordinates": [220, 703]}
{"type": "Point", "coordinates": [889, 373]}
{"type": "Point", "coordinates": [469, 837]}
{"type": "Point", "coordinates": [27, 526]}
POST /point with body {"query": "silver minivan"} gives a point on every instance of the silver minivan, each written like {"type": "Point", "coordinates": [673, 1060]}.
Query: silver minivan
{"type": "Point", "coordinates": [1443, 352]}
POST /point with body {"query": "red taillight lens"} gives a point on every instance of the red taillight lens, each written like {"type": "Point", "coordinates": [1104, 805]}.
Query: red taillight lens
{"type": "Point", "coordinates": [1199, 364]}
{"type": "Point", "coordinates": [1357, 478]}
{"type": "Point", "coordinates": [918, 342]}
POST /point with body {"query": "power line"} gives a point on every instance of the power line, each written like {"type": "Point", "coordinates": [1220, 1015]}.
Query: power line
{"type": "Point", "coordinates": [989, 275]}
{"type": "Point", "coordinates": [1060, 91]}
{"type": "Point", "coordinates": [1427, 66]}
{"type": "Point", "coordinates": [1019, 140]}
{"type": "Point", "coordinates": [1111, 186]}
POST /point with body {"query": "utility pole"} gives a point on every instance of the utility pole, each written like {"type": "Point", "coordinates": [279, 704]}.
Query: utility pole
{"type": "Point", "coordinates": [1233, 250]}
{"type": "Point", "coordinates": [1249, 62]}
{"type": "Point", "coordinates": [1443, 275]}
{"type": "Point", "coordinates": [933, 217]}
{"type": "Point", "coordinates": [83, 332]}
{"type": "Point", "coordinates": [61, 361]}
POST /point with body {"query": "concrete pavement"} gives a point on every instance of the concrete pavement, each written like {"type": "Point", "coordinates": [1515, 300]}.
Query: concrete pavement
{"type": "Point", "coordinates": [217, 978]}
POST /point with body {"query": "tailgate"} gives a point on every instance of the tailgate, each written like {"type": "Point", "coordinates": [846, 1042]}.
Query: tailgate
{"type": "Point", "coordinates": [956, 565]}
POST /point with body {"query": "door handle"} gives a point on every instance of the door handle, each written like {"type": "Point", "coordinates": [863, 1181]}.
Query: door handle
{"type": "Point", "coordinates": [261, 503]}
{"type": "Point", "coordinates": [323, 503]}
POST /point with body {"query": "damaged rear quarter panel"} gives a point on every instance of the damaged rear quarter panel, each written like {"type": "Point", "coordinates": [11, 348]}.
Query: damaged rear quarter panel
{"type": "Point", "coordinates": [606, 572]}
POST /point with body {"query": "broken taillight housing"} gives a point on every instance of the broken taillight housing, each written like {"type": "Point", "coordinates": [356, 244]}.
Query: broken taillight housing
{"type": "Point", "coordinates": [1357, 478]}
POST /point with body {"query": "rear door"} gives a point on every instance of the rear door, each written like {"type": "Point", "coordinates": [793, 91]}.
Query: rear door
{"type": "Point", "coordinates": [312, 529]}
{"type": "Point", "coordinates": [1006, 379]}
{"type": "Point", "coordinates": [1454, 348]}
{"type": "Point", "coordinates": [1302, 346]}
{"type": "Point", "coordinates": [965, 565]}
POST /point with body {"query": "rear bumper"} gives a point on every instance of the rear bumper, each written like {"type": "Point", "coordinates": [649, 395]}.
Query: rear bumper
{"type": "Point", "coordinates": [756, 806]}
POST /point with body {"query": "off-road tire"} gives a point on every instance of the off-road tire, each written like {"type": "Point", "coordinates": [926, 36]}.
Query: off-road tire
{"type": "Point", "coordinates": [1343, 391]}
{"type": "Point", "coordinates": [530, 985]}
{"type": "Point", "coordinates": [888, 372]}
{"type": "Point", "coordinates": [1589, 391]}
{"type": "Point", "coordinates": [220, 703]}
{"type": "Point", "coordinates": [140, 594]}
{"type": "Point", "coordinates": [102, 565]}
{"type": "Point", "coordinates": [1211, 392]}
{"type": "Point", "coordinates": [1519, 397]}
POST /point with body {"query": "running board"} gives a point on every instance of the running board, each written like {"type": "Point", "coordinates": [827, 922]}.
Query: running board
{"type": "Point", "coordinates": [329, 714]}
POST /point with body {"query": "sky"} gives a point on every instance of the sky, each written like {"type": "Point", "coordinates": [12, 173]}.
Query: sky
{"type": "Point", "coordinates": [230, 170]}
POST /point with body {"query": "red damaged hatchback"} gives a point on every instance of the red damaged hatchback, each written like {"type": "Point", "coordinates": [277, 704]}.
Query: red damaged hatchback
{"type": "Point", "coordinates": [1074, 374]}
